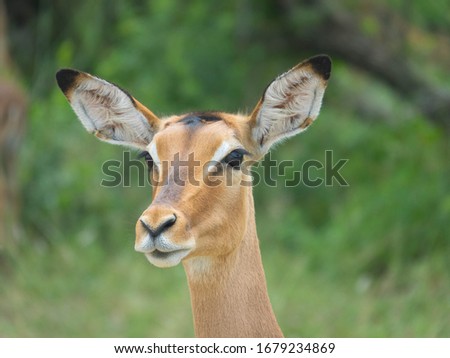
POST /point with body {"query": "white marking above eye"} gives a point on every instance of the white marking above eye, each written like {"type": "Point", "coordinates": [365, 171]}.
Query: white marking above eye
{"type": "Point", "coordinates": [219, 154]}
{"type": "Point", "coordinates": [153, 151]}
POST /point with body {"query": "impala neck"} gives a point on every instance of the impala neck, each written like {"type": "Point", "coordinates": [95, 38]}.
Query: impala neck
{"type": "Point", "coordinates": [229, 294]}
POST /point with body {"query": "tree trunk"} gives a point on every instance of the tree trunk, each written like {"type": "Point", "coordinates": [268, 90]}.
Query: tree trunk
{"type": "Point", "coordinates": [12, 123]}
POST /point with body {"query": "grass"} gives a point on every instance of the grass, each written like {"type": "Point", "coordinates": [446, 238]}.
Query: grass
{"type": "Point", "coordinates": [79, 290]}
{"type": "Point", "coordinates": [74, 290]}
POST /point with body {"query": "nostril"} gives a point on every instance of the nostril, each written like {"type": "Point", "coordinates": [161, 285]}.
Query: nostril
{"type": "Point", "coordinates": [166, 223]}
{"type": "Point", "coordinates": [169, 222]}
{"type": "Point", "coordinates": [146, 226]}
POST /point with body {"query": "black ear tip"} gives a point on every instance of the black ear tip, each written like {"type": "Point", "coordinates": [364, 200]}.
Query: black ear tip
{"type": "Point", "coordinates": [322, 65]}
{"type": "Point", "coordinates": [65, 78]}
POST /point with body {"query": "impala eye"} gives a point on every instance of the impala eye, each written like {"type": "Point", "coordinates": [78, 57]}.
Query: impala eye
{"type": "Point", "coordinates": [235, 158]}
{"type": "Point", "coordinates": [148, 158]}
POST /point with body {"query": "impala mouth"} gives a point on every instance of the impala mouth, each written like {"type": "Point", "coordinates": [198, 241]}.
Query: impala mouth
{"type": "Point", "coordinates": [166, 258]}
{"type": "Point", "coordinates": [164, 254]}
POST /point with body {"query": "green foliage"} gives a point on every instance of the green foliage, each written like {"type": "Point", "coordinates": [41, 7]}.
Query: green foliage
{"type": "Point", "coordinates": [368, 259]}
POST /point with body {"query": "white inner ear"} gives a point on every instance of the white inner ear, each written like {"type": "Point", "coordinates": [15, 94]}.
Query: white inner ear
{"type": "Point", "coordinates": [110, 114]}
{"type": "Point", "coordinates": [289, 103]}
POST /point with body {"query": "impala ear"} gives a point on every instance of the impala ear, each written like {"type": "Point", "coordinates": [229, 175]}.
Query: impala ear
{"type": "Point", "coordinates": [107, 111]}
{"type": "Point", "coordinates": [290, 103]}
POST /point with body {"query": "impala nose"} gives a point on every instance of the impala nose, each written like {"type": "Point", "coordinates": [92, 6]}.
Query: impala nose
{"type": "Point", "coordinates": [162, 235]}
{"type": "Point", "coordinates": [165, 223]}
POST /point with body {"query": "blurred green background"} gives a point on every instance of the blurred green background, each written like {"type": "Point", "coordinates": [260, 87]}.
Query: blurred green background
{"type": "Point", "coordinates": [368, 260]}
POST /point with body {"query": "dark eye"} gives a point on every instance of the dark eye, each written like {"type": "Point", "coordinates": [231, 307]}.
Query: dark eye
{"type": "Point", "coordinates": [235, 158]}
{"type": "Point", "coordinates": [148, 158]}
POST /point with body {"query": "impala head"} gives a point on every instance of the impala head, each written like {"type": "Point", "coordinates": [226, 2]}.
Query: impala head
{"type": "Point", "coordinates": [199, 161]}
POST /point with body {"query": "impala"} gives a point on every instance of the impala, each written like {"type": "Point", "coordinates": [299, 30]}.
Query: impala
{"type": "Point", "coordinates": [208, 226]}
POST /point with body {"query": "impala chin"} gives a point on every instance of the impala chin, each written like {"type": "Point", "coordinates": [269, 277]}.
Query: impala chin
{"type": "Point", "coordinates": [162, 252]}
{"type": "Point", "coordinates": [167, 259]}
